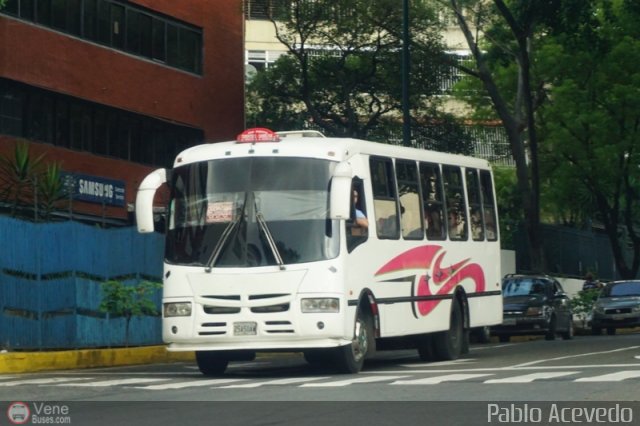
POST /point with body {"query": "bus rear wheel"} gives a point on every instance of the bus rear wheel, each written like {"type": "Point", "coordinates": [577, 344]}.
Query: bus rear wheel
{"type": "Point", "coordinates": [448, 344]}
{"type": "Point", "coordinates": [211, 363]}
{"type": "Point", "coordinates": [350, 358]}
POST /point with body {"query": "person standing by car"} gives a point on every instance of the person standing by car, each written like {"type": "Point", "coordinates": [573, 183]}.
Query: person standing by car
{"type": "Point", "coordinates": [590, 282]}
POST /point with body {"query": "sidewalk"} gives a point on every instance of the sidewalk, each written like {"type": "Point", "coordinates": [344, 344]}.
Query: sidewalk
{"type": "Point", "coordinates": [28, 362]}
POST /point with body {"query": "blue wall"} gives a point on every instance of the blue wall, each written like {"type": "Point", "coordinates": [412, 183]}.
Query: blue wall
{"type": "Point", "coordinates": [50, 284]}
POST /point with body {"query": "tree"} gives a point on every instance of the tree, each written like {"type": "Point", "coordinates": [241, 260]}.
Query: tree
{"type": "Point", "coordinates": [501, 36]}
{"type": "Point", "coordinates": [592, 121]}
{"type": "Point", "coordinates": [128, 301]}
{"type": "Point", "coordinates": [350, 86]}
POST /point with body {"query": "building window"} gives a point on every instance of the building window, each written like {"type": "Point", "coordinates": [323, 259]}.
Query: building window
{"type": "Point", "coordinates": [68, 122]}
{"type": "Point", "coordinates": [11, 106]}
{"type": "Point", "coordinates": [118, 25]}
{"type": "Point", "coordinates": [266, 9]}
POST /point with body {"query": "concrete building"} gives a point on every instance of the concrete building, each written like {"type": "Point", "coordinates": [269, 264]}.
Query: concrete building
{"type": "Point", "coordinates": [111, 89]}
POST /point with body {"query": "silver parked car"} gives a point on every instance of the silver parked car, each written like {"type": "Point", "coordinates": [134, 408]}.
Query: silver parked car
{"type": "Point", "coordinates": [617, 306]}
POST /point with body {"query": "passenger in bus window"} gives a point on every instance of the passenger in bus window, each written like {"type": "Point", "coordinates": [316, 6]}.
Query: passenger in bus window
{"type": "Point", "coordinates": [490, 224]}
{"type": "Point", "coordinates": [361, 220]}
{"type": "Point", "coordinates": [456, 226]}
{"type": "Point", "coordinates": [434, 223]}
{"type": "Point", "coordinates": [476, 225]}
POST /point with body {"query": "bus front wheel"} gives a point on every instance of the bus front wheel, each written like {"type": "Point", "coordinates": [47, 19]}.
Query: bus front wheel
{"type": "Point", "coordinates": [350, 358]}
{"type": "Point", "coordinates": [211, 363]}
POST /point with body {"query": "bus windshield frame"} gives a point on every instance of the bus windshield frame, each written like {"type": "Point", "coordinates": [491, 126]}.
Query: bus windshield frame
{"type": "Point", "coordinates": [250, 212]}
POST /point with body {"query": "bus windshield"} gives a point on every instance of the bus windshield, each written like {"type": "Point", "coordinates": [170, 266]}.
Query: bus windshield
{"type": "Point", "coordinates": [246, 212]}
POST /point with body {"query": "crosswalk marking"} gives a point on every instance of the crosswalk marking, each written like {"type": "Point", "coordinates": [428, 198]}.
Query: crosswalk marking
{"type": "Point", "coordinates": [424, 378]}
{"type": "Point", "coordinates": [116, 382]}
{"type": "Point", "coordinates": [191, 383]}
{"type": "Point", "coordinates": [289, 381]}
{"type": "Point", "coordinates": [528, 378]}
{"type": "Point", "coordinates": [337, 383]}
{"type": "Point", "coordinates": [43, 381]}
{"type": "Point", "coordinates": [612, 377]}
{"type": "Point", "coordinates": [439, 379]}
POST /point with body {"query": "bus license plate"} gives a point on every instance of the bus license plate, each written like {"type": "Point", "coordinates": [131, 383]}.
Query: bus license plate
{"type": "Point", "coordinates": [245, 328]}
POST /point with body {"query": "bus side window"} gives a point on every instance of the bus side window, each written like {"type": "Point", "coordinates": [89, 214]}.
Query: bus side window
{"type": "Point", "coordinates": [431, 184]}
{"type": "Point", "coordinates": [455, 202]}
{"type": "Point", "coordinates": [385, 204]}
{"type": "Point", "coordinates": [409, 194]}
{"type": "Point", "coordinates": [488, 205]}
{"type": "Point", "coordinates": [475, 205]}
{"type": "Point", "coordinates": [357, 225]}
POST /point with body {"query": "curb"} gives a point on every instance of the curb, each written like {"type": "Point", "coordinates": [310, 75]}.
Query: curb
{"type": "Point", "coordinates": [29, 362]}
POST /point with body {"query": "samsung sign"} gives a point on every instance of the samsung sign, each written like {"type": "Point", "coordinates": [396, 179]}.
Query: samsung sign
{"type": "Point", "coordinates": [94, 189]}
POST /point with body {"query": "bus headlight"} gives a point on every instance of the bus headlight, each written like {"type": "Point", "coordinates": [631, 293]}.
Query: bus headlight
{"type": "Point", "coordinates": [324, 304]}
{"type": "Point", "coordinates": [177, 309]}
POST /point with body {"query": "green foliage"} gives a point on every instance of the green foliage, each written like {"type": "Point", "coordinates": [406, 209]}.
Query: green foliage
{"type": "Point", "coordinates": [19, 174]}
{"type": "Point", "coordinates": [51, 190]}
{"type": "Point", "coordinates": [29, 183]}
{"type": "Point", "coordinates": [590, 125]}
{"type": "Point", "coordinates": [509, 205]}
{"type": "Point", "coordinates": [583, 302]}
{"type": "Point", "coordinates": [120, 299]}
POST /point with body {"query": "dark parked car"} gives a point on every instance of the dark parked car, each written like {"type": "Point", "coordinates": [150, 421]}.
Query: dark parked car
{"type": "Point", "coordinates": [534, 304]}
{"type": "Point", "coordinates": [617, 306]}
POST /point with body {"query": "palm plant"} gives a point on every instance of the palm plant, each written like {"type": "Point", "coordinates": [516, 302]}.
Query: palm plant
{"type": "Point", "coordinates": [18, 176]}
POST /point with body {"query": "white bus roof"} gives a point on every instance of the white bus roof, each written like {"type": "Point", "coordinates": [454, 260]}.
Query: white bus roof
{"type": "Point", "coordinates": [295, 144]}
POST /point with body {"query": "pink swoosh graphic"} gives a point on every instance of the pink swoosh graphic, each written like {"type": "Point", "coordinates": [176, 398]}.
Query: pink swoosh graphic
{"type": "Point", "coordinates": [445, 279]}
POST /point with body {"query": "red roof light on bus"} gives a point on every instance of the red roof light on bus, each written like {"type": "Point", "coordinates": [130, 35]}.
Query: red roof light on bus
{"type": "Point", "coordinates": [258, 134]}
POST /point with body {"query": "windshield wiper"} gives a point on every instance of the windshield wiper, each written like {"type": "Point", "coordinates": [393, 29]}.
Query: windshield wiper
{"type": "Point", "coordinates": [270, 240]}
{"type": "Point", "coordinates": [224, 237]}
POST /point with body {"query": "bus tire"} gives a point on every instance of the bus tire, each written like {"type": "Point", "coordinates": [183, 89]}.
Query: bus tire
{"type": "Point", "coordinates": [350, 358]}
{"type": "Point", "coordinates": [211, 363]}
{"type": "Point", "coordinates": [448, 344]}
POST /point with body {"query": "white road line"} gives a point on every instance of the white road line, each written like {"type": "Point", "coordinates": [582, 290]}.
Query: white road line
{"type": "Point", "coordinates": [528, 378]}
{"type": "Point", "coordinates": [493, 369]}
{"type": "Point", "coordinates": [612, 377]}
{"type": "Point", "coordinates": [106, 383]}
{"type": "Point", "coordinates": [292, 380]}
{"type": "Point", "coordinates": [482, 348]}
{"type": "Point", "coordinates": [337, 383]}
{"type": "Point", "coordinates": [527, 364]}
{"type": "Point", "coordinates": [439, 379]}
{"type": "Point", "coordinates": [441, 363]}
{"type": "Point", "coordinates": [44, 381]}
{"type": "Point", "coordinates": [189, 384]}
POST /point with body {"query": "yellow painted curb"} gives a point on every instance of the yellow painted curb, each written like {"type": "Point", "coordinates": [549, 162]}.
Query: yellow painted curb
{"type": "Point", "coordinates": [23, 362]}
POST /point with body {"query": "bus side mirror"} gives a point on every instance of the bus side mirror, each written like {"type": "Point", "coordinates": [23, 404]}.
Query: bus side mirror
{"type": "Point", "coordinates": [144, 199]}
{"type": "Point", "coordinates": [340, 193]}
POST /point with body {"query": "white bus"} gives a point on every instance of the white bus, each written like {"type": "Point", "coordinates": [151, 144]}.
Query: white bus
{"type": "Point", "coordinates": [264, 251]}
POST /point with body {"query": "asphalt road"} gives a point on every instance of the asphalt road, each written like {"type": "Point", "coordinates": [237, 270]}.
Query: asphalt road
{"type": "Point", "coordinates": [493, 380]}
